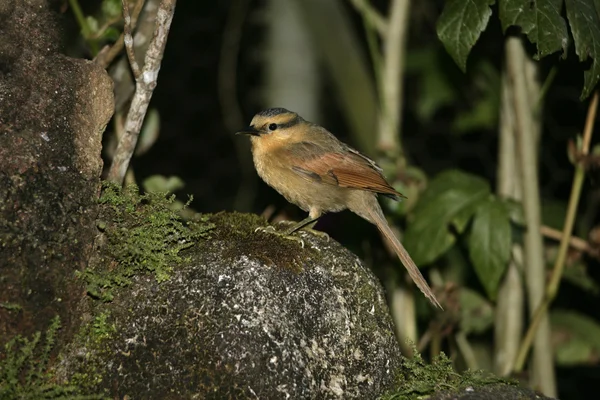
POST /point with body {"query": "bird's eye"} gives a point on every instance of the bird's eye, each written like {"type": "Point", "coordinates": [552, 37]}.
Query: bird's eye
{"type": "Point", "coordinates": [272, 127]}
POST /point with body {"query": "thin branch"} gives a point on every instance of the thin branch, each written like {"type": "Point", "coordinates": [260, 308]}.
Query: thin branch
{"type": "Point", "coordinates": [106, 56]}
{"type": "Point", "coordinates": [574, 242]}
{"type": "Point", "coordinates": [372, 15]}
{"type": "Point", "coordinates": [391, 84]}
{"type": "Point", "coordinates": [543, 375]}
{"type": "Point", "coordinates": [128, 40]}
{"type": "Point", "coordinates": [559, 264]}
{"type": "Point", "coordinates": [146, 81]}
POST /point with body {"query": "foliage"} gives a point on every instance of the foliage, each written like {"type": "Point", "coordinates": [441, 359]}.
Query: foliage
{"type": "Point", "coordinates": [462, 22]}
{"type": "Point", "coordinates": [23, 371]}
{"type": "Point", "coordinates": [144, 235]}
{"type": "Point", "coordinates": [453, 204]}
{"type": "Point", "coordinates": [102, 28]}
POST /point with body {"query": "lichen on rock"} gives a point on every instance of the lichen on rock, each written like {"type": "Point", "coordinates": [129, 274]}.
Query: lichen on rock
{"type": "Point", "coordinates": [235, 321]}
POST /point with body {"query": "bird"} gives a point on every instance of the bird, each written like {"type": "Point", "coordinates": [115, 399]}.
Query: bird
{"type": "Point", "coordinates": [314, 170]}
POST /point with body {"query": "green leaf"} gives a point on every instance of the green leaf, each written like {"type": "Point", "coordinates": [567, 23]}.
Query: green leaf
{"type": "Point", "coordinates": [585, 26]}
{"type": "Point", "coordinates": [515, 211]}
{"type": "Point", "coordinates": [111, 8]}
{"type": "Point", "coordinates": [570, 327]}
{"type": "Point", "coordinates": [490, 243]}
{"type": "Point", "coordinates": [460, 26]}
{"type": "Point", "coordinates": [447, 196]}
{"type": "Point", "coordinates": [476, 313]}
{"type": "Point", "coordinates": [92, 23]}
{"type": "Point", "coordinates": [540, 20]}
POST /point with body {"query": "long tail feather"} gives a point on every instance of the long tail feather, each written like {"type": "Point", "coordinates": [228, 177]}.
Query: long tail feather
{"type": "Point", "coordinates": [407, 261]}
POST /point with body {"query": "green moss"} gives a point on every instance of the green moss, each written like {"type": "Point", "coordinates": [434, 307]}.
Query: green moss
{"type": "Point", "coordinates": [143, 234]}
{"type": "Point", "coordinates": [95, 337]}
{"type": "Point", "coordinates": [24, 370]}
{"type": "Point", "coordinates": [238, 231]}
{"type": "Point", "coordinates": [11, 306]}
{"type": "Point", "coordinates": [101, 328]}
{"type": "Point", "coordinates": [416, 378]}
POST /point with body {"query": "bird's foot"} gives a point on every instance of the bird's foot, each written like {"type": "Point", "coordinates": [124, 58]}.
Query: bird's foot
{"type": "Point", "coordinates": [315, 232]}
{"type": "Point", "coordinates": [285, 235]}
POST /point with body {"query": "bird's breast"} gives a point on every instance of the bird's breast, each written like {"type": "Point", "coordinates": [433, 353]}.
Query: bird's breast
{"type": "Point", "coordinates": [305, 193]}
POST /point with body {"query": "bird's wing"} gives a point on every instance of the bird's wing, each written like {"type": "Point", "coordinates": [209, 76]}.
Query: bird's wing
{"type": "Point", "coordinates": [345, 168]}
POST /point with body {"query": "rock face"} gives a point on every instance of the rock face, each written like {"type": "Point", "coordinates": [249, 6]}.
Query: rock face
{"type": "Point", "coordinates": [250, 314]}
{"type": "Point", "coordinates": [53, 110]}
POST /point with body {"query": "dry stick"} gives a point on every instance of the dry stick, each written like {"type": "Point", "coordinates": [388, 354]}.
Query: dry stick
{"type": "Point", "coordinates": [145, 82]}
{"type": "Point", "coordinates": [559, 264]}
{"type": "Point", "coordinates": [543, 367]}
{"type": "Point", "coordinates": [128, 40]}
{"type": "Point", "coordinates": [574, 242]}
{"type": "Point", "coordinates": [106, 56]}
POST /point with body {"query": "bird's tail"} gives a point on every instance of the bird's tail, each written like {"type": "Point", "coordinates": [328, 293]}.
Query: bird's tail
{"type": "Point", "coordinates": [379, 220]}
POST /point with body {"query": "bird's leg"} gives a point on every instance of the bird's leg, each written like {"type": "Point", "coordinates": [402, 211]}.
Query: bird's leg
{"type": "Point", "coordinates": [308, 224]}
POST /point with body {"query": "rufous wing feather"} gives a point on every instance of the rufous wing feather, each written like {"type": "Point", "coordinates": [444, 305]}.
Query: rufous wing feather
{"type": "Point", "coordinates": [348, 169]}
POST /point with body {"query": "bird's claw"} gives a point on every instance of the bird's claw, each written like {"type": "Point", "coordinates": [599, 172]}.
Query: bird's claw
{"type": "Point", "coordinates": [285, 235]}
{"type": "Point", "coordinates": [315, 232]}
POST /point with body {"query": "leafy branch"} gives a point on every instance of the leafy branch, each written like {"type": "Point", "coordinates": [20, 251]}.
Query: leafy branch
{"type": "Point", "coordinates": [462, 22]}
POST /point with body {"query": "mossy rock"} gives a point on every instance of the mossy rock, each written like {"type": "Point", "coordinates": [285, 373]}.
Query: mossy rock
{"type": "Point", "coordinates": [244, 314]}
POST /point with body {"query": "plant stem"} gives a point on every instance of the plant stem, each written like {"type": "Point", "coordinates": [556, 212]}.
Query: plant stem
{"type": "Point", "coordinates": [371, 16]}
{"type": "Point", "coordinates": [85, 27]}
{"type": "Point", "coordinates": [508, 327]}
{"type": "Point", "coordinates": [559, 264]}
{"type": "Point", "coordinates": [391, 84]}
{"type": "Point", "coordinates": [146, 78]}
{"type": "Point", "coordinates": [543, 375]}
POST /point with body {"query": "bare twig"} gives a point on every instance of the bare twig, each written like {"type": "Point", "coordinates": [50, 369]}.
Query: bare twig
{"type": "Point", "coordinates": [543, 375]}
{"type": "Point", "coordinates": [559, 264]}
{"type": "Point", "coordinates": [574, 242]}
{"type": "Point", "coordinates": [146, 80]}
{"type": "Point", "coordinates": [106, 56]}
{"type": "Point", "coordinates": [372, 15]}
{"type": "Point", "coordinates": [128, 40]}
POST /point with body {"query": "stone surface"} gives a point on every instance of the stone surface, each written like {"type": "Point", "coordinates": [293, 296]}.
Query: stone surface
{"type": "Point", "coordinates": [250, 314]}
{"type": "Point", "coordinates": [53, 110]}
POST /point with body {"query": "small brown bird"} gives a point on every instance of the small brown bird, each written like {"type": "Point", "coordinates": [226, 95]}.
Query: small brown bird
{"type": "Point", "coordinates": [311, 168]}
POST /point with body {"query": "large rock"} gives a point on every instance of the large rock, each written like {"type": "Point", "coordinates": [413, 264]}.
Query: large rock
{"type": "Point", "coordinates": [249, 314]}
{"type": "Point", "coordinates": [53, 110]}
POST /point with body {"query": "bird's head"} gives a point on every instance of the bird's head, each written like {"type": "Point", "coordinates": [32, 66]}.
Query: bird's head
{"type": "Point", "coordinates": [275, 126]}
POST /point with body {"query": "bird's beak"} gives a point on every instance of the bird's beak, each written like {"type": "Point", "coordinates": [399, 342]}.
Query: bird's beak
{"type": "Point", "coordinates": [250, 130]}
